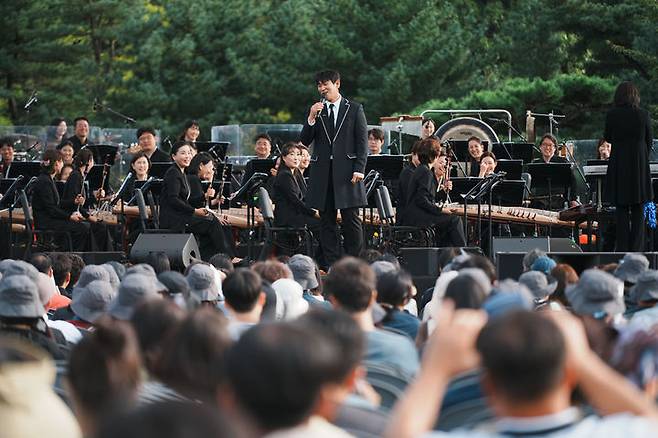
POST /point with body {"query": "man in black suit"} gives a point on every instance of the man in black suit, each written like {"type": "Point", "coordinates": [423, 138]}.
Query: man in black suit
{"type": "Point", "coordinates": [338, 130]}
{"type": "Point", "coordinates": [80, 137]}
{"type": "Point", "coordinates": [7, 156]}
{"type": "Point", "coordinates": [548, 147]}
{"type": "Point", "coordinates": [148, 145]}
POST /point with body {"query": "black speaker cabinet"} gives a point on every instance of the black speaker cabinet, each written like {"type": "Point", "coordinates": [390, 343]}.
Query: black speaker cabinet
{"type": "Point", "coordinates": [424, 262]}
{"type": "Point", "coordinates": [180, 248]}
{"type": "Point", "coordinates": [525, 244]}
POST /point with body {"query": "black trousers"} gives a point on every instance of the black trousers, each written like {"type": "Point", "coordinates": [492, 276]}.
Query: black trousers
{"type": "Point", "coordinates": [79, 231]}
{"type": "Point", "coordinates": [213, 238]}
{"type": "Point", "coordinates": [449, 231]}
{"type": "Point", "coordinates": [350, 226]}
{"type": "Point", "coordinates": [630, 228]}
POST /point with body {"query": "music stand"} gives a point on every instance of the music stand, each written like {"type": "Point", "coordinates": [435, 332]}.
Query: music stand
{"type": "Point", "coordinates": [248, 192]}
{"type": "Point", "coordinates": [512, 168]}
{"type": "Point", "coordinates": [597, 181]}
{"type": "Point", "coordinates": [518, 151]}
{"type": "Point", "coordinates": [158, 170]}
{"type": "Point", "coordinates": [10, 188]}
{"type": "Point", "coordinates": [463, 185]}
{"type": "Point", "coordinates": [388, 167]}
{"type": "Point", "coordinates": [217, 149]}
{"type": "Point", "coordinates": [551, 175]}
{"type": "Point", "coordinates": [26, 168]}
{"type": "Point", "coordinates": [5, 184]}
{"type": "Point", "coordinates": [103, 153]}
{"type": "Point", "coordinates": [509, 193]}
{"type": "Point", "coordinates": [597, 162]}
{"type": "Point", "coordinates": [154, 186]}
{"type": "Point", "coordinates": [263, 165]}
{"type": "Point", "coordinates": [95, 176]}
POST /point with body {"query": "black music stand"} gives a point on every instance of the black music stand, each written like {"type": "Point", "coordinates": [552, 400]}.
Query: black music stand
{"type": "Point", "coordinates": [150, 185]}
{"type": "Point", "coordinates": [217, 149]}
{"type": "Point", "coordinates": [597, 181]}
{"type": "Point", "coordinates": [388, 167]}
{"type": "Point", "coordinates": [263, 165]}
{"type": "Point", "coordinates": [26, 168]}
{"type": "Point", "coordinates": [551, 175]}
{"type": "Point", "coordinates": [103, 153]}
{"type": "Point", "coordinates": [464, 185]}
{"type": "Point", "coordinates": [159, 169]}
{"type": "Point", "coordinates": [95, 177]}
{"type": "Point", "coordinates": [517, 151]}
{"type": "Point", "coordinates": [5, 184]}
{"type": "Point", "coordinates": [509, 193]}
{"type": "Point", "coordinates": [512, 168]}
{"type": "Point", "coordinates": [248, 193]}
{"type": "Point", "coordinates": [597, 162]}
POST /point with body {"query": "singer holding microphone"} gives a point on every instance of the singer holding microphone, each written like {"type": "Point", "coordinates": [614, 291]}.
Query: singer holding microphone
{"type": "Point", "coordinates": [338, 130]}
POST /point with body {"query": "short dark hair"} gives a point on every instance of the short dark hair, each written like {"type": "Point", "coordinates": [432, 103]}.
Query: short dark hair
{"type": "Point", "coordinates": [627, 94]}
{"type": "Point", "coordinates": [264, 136]}
{"type": "Point", "coordinates": [61, 266]}
{"type": "Point", "coordinates": [155, 322]}
{"type": "Point", "coordinates": [342, 329]}
{"type": "Point", "coordinates": [193, 362]}
{"type": "Point", "coordinates": [277, 370]}
{"type": "Point", "coordinates": [427, 119]}
{"type": "Point", "coordinates": [466, 292]}
{"type": "Point", "coordinates": [202, 158]}
{"type": "Point", "coordinates": [104, 367]}
{"type": "Point", "coordinates": [139, 155]}
{"type": "Point", "coordinates": [551, 137]}
{"type": "Point", "coordinates": [475, 139]}
{"type": "Point", "coordinates": [288, 148]}
{"type": "Point", "coordinates": [481, 262]}
{"type": "Point", "coordinates": [82, 158]}
{"type": "Point", "coordinates": [41, 261]}
{"type": "Point", "coordinates": [242, 288]}
{"type": "Point", "coordinates": [351, 282]}
{"type": "Point", "coordinates": [6, 141]}
{"type": "Point", "coordinates": [48, 160]}
{"type": "Point", "coordinates": [159, 261]}
{"type": "Point", "coordinates": [271, 270]}
{"type": "Point", "coordinates": [523, 353]}
{"type": "Point", "coordinates": [370, 255]}
{"type": "Point", "coordinates": [428, 150]}
{"type": "Point", "coordinates": [327, 75]}
{"type": "Point", "coordinates": [145, 129]}
{"type": "Point", "coordinates": [222, 262]}
{"type": "Point", "coordinates": [376, 133]}
{"type": "Point", "coordinates": [179, 144]}
{"type": "Point", "coordinates": [488, 154]}
{"type": "Point", "coordinates": [77, 119]}
{"type": "Point", "coordinates": [394, 288]}
{"type": "Point", "coordinates": [77, 265]}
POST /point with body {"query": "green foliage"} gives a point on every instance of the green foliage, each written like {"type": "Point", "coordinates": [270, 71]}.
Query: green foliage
{"type": "Point", "coordinates": [249, 61]}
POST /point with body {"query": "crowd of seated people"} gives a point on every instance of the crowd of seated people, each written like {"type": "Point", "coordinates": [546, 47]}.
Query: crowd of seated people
{"type": "Point", "coordinates": [277, 350]}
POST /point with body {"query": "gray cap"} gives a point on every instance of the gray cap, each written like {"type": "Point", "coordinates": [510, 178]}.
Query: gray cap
{"type": "Point", "coordinates": [503, 303]}
{"type": "Point", "coordinates": [479, 276]}
{"type": "Point", "coordinates": [92, 301]}
{"type": "Point", "coordinates": [631, 266]}
{"type": "Point", "coordinates": [133, 290]}
{"type": "Point", "coordinates": [19, 267]}
{"type": "Point", "coordinates": [303, 271]}
{"type": "Point", "coordinates": [382, 266]}
{"type": "Point", "coordinates": [92, 272]}
{"type": "Point", "coordinates": [597, 293]}
{"type": "Point", "coordinates": [538, 284]}
{"type": "Point", "coordinates": [203, 283]}
{"type": "Point", "coordinates": [19, 298]}
{"type": "Point", "coordinates": [114, 278]}
{"type": "Point", "coordinates": [530, 257]}
{"type": "Point", "coordinates": [146, 269]}
{"type": "Point", "coordinates": [646, 287]}
{"type": "Point", "coordinates": [175, 282]}
{"type": "Point", "coordinates": [118, 268]}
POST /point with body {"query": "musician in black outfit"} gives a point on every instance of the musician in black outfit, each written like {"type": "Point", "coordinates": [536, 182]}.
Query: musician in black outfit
{"type": "Point", "coordinates": [48, 215]}
{"type": "Point", "coordinates": [148, 145]}
{"type": "Point", "coordinates": [178, 214]}
{"type": "Point", "coordinates": [475, 151]}
{"type": "Point", "coordinates": [81, 134]}
{"type": "Point", "coordinates": [7, 156]}
{"type": "Point", "coordinates": [628, 184]}
{"type": "Point", "coordinates": [403, 183]}
{"type": "Point", "coordinates": [548, 147]}
{"type": "Point", "coordinates": [75, 198]}
{"type": "Point", "coordinates": [421, 209]}
{"type": "Point", "coordinates": [263, 149]}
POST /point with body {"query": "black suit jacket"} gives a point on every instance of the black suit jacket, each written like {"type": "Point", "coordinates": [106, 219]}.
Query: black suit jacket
{"type": "Point", "coordinates": [629, 177]}
{"type": "Point", "coordinates": [348, 147]}
{"type": "Point", "coordinates": [72, 188]}
{"type": "Point", "coordinates": [421, 210]}
{"type": "Point", "coordinates": [403, 186]}
{"type": "Point", "coordinates": [45, 203]}
{"type": "Point", "coordinates": [288, 195]}
{"type": "Point", "coordinates": [175, 208]}
{"type": "Point", "coordinates": [197, 194]}
{"type": "Point", "coordinates": [160, 157]}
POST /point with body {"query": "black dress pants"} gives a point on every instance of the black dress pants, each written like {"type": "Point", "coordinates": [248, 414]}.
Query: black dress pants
{"type": "Point", "coordinates": [630, 228]}
{"type": "Point", "coordinates": [211, 235]}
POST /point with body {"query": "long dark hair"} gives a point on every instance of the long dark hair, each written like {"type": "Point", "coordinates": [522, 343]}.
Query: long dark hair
{"type": "Point", "coordinates": [627, 94]}
{"type": "Point", "coordinates": [202, 158]}
{"type": "Point", "coordinates": [187, 126]}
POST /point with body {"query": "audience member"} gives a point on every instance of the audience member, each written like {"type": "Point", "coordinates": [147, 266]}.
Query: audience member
{"type": "Point", "coordinates": [159, 261]}
{"type": "Point", "coordinates": [205, 286]}
{"type": "Point", "coordinates": [245, 299]}
{"type": "Point", "coordinates": [134, 290]}
{"type": "Point", "coordinates": [305, 272]}
{"type": "Point", "coordinates": [469, 289]}
{"type": "Point", "coordinates": [599, 295]}
{"type": "Point", "coordinates": [222, 262]}
{"type": "Point", "coordinates": [543, 264]}
{"type": "Point", "coordinates": [290, 302]}
{"type": "Point", "coordinates": [394, 290]}
{"type": "Point", "coordinates": [61, 271]}
{"type": "Point", "coordinates": [565, 276]}
{"type": "Point", "coordinates": [538, 284]}
{"type": "Point", "coordinates": [91, 302]}
{"type": "Point", "coordinates": [178, 289]}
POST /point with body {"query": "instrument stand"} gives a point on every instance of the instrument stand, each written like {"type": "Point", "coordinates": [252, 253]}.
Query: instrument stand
{"type": "Point", "coordinates": [551, 175]}
{"type": "Point", "coordinates": [469, 195]}
{"type": "Point", "coordinates": [487, 188]}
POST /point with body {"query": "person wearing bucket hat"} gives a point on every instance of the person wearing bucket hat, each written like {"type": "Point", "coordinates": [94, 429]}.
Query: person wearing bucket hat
{"type": "Point", "coordinates": [21, 314]}
{"type": "Point", "coordinates": [91, 302]}
{"type": "Point", "coordinates": [118, 268]}
{"type": "Point", "coordinates": [304, 271]}
{"type": "Point", "coordinates": [19, 267]}
{"type": "Point", "coordinates": [538, 285]}
{"type": "Point", "coordinates": [597, 294]}
{"type": "Point", "coordinates": [631, 267]}
{"type": "Point", "coordinates": [90, 273]}
{"type": "Point", "coordinates": [644, 294]}
{"type": "Point", "coordinates": [289, 301]}
{"type": "Point", "coordinates": [177, 287]}
{"type": "Point", "coordinates": [205, 286]}
{"type": "Point", "coordinates": [133, 290]}
{"type": "Point", "coordinates": [543, 264]}
{"type": "Point", "coordinates": [145, 269]}
{"type": "Point", "coordinates": [114, 278]}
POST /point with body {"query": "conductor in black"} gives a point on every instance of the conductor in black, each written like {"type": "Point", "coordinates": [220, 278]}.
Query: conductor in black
{"type": "Point", "coordinates": [338, 129]}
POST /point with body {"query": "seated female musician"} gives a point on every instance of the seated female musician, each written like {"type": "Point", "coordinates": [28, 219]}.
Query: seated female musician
{"type": "Point", "coordinates": [288, 192]}
{"type": "Point", "coordinates": [74, 198]}
{"type": "Point", "coordinates": [305, 161]}
{"type": "Point", "coordinates": [488, 164]}
{"type": "Point", "coordinates": [421, 209]}
{"type": "Point", "coordinates": [603, 149]}
{"type": "Point", "coordinates": [48, 215]}
{"type": "Point", "coordinates": [178, 214]}
{"type": "Point", "coordinates": [443, 186]}
{"type": "Point", "coordinates": [475, 151]}
{"type": "Point", "coordinates": [140, 165]}
{"type": "Point", "coordinates": [66, 148]}
{"type": "Point", "coordinates": [191, 132]}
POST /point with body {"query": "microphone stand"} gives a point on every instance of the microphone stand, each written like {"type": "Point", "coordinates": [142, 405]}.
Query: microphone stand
{"type": "Point", "coordinates": [580, 172]}
{"type": "Point", "coordinates": [487, 188]}
{"type": "Point", "coordinates": [100, 107]}
{"type": "Point", "coordinates": [448, 145]}
{"type": "Point", "coordinates": [466, 196]}
{"type": "Point", "coordinates": [516, 131]}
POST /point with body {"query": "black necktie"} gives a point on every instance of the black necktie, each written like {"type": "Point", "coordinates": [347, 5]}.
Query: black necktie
{"type": "Point", "coordinates": [332, 119]}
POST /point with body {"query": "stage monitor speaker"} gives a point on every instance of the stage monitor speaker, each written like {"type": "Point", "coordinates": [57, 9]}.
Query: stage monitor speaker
{"type": "Point", "coordinates": [424, 262]}
{"type": "Point", "coordinates": [525, 244]}
{"type": "Point", "coordinates": [182, 249]}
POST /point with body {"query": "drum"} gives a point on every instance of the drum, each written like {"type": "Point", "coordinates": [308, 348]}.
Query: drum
{"type": "Point", "coordinates": [462, 128]}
